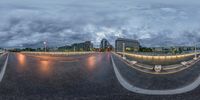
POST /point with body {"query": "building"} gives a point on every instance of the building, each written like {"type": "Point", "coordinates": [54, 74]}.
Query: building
{"type": "Point", "coordinates": [105, 45]}
{"type": "Point", "coordinates": [83, 46]}
{"type": "Point", "coordinates": [130, 45]}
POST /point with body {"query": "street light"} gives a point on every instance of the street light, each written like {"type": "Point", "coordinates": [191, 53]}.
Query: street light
{"type": "Point", "coordinates": [195, 50]}
{"type": "Point", "coordinates": [45, 46]}
{"type": "Point", "coordinates": [74, 48]}
{"type": "Point", "coordinates": [123, 51]}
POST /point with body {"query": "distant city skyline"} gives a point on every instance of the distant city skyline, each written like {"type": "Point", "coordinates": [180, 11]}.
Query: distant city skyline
{"type": "Point", "coordinates": [152, 22]}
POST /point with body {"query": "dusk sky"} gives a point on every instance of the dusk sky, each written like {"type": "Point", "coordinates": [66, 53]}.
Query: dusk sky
{"type": "Point", "coordinates": [28, 23]}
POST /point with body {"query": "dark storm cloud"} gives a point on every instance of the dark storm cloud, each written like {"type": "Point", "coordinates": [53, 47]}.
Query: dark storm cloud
{"type": "Point", "coordinates": [60, 22]}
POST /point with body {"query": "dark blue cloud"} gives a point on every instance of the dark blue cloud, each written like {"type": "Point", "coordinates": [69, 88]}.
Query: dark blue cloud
{"type": "Point", "coordinates": [61, 22]}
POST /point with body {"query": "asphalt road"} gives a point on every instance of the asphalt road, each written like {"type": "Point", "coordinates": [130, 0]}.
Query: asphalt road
{"type": "Point", "coordinates": [85, 77]}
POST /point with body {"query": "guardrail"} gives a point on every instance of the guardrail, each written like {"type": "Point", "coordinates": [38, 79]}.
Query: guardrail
{"type": "Point", "coordinates": [157, 57]}
{"type": "Point", "coordinates": [160, 54]}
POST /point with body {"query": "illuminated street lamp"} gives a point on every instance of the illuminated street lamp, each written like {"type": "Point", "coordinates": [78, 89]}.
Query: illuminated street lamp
{"type": "Point", "coordinates": [45, 45]}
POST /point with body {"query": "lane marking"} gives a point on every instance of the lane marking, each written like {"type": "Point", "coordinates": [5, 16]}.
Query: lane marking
{"type": "Point", "coordinates": [4, 68]}
{"type": "Point", "coordinates": [135, 89]}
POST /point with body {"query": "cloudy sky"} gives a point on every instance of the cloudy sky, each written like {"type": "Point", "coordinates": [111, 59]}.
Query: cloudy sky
{"type": "Point", "coordinates": [28, 23]}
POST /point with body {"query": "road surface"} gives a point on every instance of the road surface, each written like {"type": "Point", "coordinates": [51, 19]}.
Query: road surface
{"type": "Point", "coordinates": [84, 77]}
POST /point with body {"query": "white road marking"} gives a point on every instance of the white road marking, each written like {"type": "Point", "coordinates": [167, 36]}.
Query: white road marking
{"type": "Point", "coordinates": [135, 89]}
{"type": "Point", "coordinates": [4, 68]}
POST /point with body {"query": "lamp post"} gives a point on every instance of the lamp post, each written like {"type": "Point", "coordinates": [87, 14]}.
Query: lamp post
{"type": "Point", "coordinates": [74, 49]}
{"type": "Point", "coordinates": [195, 50]}
{"type": "Point", "coordinates": [45, 46]}
{"type": "Point", "coordinates": [123, 51]}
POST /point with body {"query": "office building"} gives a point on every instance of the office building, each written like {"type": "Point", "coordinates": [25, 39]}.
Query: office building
{"type": "Point", "coordinates": [130, 45]}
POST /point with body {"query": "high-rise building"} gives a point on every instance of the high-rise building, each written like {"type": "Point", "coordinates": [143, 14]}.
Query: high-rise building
{"type": "Point", "coordinates": [130, 45]}
{"type": "Point", "coordinates": [105, 45]}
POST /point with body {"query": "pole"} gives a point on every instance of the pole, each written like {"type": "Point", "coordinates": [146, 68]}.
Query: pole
{"type": "Point", "coordinates": [123, 47]}
{"type": "Point", "coordinates": [195, 51]}
{"type": "Point", "coordinates": [124, 51]}
{"type": "Point", "coordinates": [45, 46]}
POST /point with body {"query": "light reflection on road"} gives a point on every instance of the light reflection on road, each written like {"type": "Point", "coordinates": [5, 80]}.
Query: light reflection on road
{"type": "Point", "coordinates": [99, 58]}
{"type": "Point", "coordinates": [22, 62]}
{"type": "Point", "coordinates": [45, 67]}
{"type": "Point", "coordinates": [21, 59]}
{"type": "Point", "coordinates": [108, 56]}
{"type": "Point", "coordinates": [91, 62]}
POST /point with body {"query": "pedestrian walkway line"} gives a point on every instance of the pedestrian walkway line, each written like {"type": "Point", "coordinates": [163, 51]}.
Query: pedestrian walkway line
{"type": "Point", "coordinates": [4, 68]}
{"type": "Point", "coordinates": [135, 89]}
